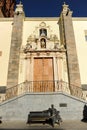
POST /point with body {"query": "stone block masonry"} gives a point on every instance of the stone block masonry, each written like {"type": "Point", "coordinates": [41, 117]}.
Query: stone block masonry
{"type": "Point", "coordinates": [66, 28]}
{"type": "Point", "coordinates": [16, 41]}
{"type": "Point", "coordinates": [18, 108]}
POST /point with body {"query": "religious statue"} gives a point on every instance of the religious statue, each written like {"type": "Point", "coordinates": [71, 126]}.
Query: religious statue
{"type": "Point", "coordinates": [43, 43]}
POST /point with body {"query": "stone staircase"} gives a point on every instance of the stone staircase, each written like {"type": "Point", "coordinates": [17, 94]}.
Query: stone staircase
{"type": "Point", "coordinates": [32, 87]}
{"type": "Point", "coordinates": [20, 100]}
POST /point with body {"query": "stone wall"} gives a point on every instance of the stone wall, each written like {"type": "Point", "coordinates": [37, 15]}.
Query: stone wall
{"type": "Point", "coordinates": [18, 108]}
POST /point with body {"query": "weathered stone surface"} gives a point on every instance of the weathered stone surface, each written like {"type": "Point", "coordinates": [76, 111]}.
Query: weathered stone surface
{"type": "Point", "coordinates": [7, 8]}
{"type": "Point", "coordinates": [68, 39]}
{"type": "Point", "coordinates": [18, 108]}
{"type": "Point", "coordinates": [16, 42]}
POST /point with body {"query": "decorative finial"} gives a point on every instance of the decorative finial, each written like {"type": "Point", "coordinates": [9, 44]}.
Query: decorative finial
{"type": "Point", "coordinates": [66, 9]}
{"type": "Point", "coordinates": [19, 8]}
{"type": "Point", "coordinates": [20, 2]}
{"type": "Point", "coordinates": [64, 3]}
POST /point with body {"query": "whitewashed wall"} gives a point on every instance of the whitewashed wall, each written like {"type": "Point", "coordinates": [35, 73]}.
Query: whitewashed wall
{"type": "Point", "coordinates": [80, 25]}
{"type": "Point", "coordinates": [5, 41]}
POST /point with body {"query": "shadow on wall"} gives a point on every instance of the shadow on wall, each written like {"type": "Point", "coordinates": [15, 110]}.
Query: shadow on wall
{"type": "Point", "coordinates": [84, 114]}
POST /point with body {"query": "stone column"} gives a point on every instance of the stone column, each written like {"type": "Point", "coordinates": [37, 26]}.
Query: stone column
{"type": "Point", "coordinates": [55, 71]}
{"type": "Point", "coordinates": [16, 42]}
{"type": "Point", "coordinates": [28, 69]}
{"type": "Point", "coordinates": [67, 38]}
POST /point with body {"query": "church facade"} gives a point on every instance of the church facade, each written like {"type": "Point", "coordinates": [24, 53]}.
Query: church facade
{"type": "Point", "coordinates": [39, 55]}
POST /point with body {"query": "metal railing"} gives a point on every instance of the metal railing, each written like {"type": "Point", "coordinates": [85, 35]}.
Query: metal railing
{"type": "Point", "coordinates": [43, 86]}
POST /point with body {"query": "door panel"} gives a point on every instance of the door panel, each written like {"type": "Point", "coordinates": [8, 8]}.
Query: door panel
{"type": "Point", "coordinates": [43, 75]}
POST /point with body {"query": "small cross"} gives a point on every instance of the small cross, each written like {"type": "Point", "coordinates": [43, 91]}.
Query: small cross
{"type": "Point", "coordinates": [20, 2]}
{"type": "Point", "coordinates": [64, 3]}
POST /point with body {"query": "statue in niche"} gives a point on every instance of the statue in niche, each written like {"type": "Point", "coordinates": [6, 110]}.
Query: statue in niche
{"type": "Point", "coordinates": [43, 43]}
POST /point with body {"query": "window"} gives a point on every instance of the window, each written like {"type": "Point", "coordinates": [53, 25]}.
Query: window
{"type": "Point", "coordinates": [86, 35]}
{"type": "Point", "coordinates": [43, 32]}
{"type": "Point", "coordinates": [0, 53]}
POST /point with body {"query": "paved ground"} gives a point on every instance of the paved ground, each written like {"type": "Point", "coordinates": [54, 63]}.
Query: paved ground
{"type": "Point", "coordinates": [65, 125]}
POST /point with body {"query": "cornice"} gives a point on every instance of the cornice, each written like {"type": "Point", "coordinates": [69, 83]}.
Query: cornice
{"type": "Point", "coordinates": [53, 19]}
{"type": "Point", "coordinates": [44, 19]}
{"type": "Point", "coordinates": [79, 18]}
{"type": "Point", "coordinates": [41, 18]}
{"type": "Point", "coordinates": [6, 19]}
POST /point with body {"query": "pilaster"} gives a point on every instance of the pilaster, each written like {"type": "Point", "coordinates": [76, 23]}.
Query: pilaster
{"type": "Point", "coordinates": [67, 38]}
{"type": "Point", "coordinates": [16, 42]}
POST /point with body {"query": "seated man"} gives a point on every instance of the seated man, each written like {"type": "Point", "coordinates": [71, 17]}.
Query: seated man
{"type": "Point", "coordinates": [55, 117]}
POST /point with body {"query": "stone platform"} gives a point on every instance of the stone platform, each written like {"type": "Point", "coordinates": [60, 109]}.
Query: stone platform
{"type": "Point", "coordinates": [66, 125]}
{"type": "Point", "coordinates": [17, 109]}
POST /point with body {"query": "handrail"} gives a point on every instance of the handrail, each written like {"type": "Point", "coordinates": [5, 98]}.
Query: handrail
{"type": "Point", "coordinates": [43, 86]}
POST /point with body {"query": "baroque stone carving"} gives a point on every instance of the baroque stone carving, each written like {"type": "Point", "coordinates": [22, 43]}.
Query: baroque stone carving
{"type": "Point", "coordinates": [36, 41]}
{"type": "Point", "coordinates": [27, 47]}
{"type": "Point", "coordinates": [7, 8]}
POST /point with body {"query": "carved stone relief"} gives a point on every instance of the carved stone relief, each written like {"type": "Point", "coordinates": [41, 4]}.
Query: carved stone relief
{"type": "Point", "coordinates": [43, 38]}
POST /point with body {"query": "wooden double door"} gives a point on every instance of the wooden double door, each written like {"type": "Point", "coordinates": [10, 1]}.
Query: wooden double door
{"type": "Point", "coordinates": [43, 75]}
